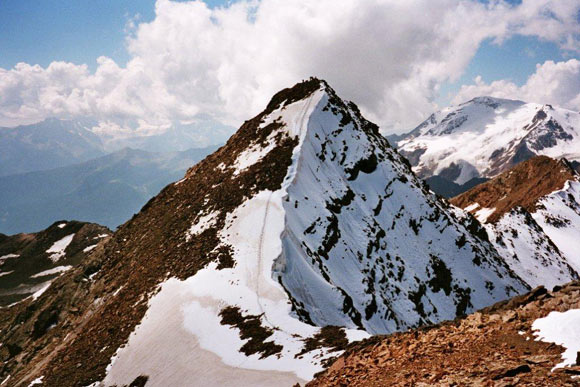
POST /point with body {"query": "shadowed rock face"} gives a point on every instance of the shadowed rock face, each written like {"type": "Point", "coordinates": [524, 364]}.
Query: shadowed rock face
{"type": "Point", "coordinates": [29, 262]}
{"type": "Point", "coordinates": [492, 346]}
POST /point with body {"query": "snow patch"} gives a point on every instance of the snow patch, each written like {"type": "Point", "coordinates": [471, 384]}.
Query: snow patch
{"type": "Point", "coordinates": [471, 207]}
{"type": "Point", "coordinates": [43, 289]}
{"type": "Point", "coordinates": [484, 213]}
{"type": "Point", "coordinates": [201, 224]}
{"type": "Point", "coordinates": [252, 155]}
{"type": "Point", "coordinates": [56, 251]}
{"type": "Point", "coordinates": [561, 328]}
{"type": "Point", "coordinates": [54, 270]}
{"type": "Point", "coordinates": [89, 248]}
{"type": "Point", "coordinates": [36, 381]}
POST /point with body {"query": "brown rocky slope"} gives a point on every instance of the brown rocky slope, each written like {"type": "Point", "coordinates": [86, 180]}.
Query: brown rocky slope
{"type": "Point", "coordinates": [29, 261]}
{"type": "Point", "coordinates": [493, 347]}
{"type": "Point", "coordinates": [521, 186]}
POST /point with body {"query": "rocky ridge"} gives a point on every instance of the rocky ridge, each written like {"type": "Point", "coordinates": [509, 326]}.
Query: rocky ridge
{"type": "Point", "coordinates": [532, 215]}
{"type": "Point", "coordinates": [496, 346]}
{"type": "Point", "coordinates": [29, 262]}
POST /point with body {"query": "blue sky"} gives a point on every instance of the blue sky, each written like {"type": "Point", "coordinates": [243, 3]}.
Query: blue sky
{"type": "Point", "coordinates": [396, 88]}
{"type": "Point", "coordinates": [79, 31]}
{"type": "Point", "coordinates": [39, 32]}
{"type": "Point", "coordinates": [514, 59]}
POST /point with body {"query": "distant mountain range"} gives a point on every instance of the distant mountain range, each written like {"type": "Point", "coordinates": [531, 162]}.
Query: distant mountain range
{"type": "Point", "coordinates": [107, 190]}
{"type": "Point", "coordinates": [55, 143]}
{"type": "Point", "coordinates": [487, 136]}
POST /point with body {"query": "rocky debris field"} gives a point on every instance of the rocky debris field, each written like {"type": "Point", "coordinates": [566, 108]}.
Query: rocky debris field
{"type": "Point", "coordinates": [492, 347]}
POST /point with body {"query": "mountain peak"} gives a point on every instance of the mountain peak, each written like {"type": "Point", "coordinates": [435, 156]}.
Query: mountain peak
{"type": "Point", "coordinates": [493, 102]}
{"type": "Point", "coordinates": [479, 139]}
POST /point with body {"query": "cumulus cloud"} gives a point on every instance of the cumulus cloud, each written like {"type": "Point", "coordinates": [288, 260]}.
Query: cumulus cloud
{"type": "Point", "coordinates": [388, 56]}
{"type": "Point", "coordinates": [554, 83]}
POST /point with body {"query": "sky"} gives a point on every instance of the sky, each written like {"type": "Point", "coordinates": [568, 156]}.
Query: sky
{"type": "Point", "coordinates": [160, 62]}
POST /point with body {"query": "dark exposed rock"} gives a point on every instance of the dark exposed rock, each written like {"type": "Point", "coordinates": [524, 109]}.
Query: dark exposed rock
{"type": "Point", "coordinates": [510, 373]}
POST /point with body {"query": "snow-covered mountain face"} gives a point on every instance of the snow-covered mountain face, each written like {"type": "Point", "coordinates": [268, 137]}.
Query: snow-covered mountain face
{"type": "Point", "coordinates": [532, 215]}
{"type": "Point", "coordinates": [351, 239]}
{"type": "Point", "coordinates": [304, 232]}
{"type": "Point", "coordinates": [487, 136]}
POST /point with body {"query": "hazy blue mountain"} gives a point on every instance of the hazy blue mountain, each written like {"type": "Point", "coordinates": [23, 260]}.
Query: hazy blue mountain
{"type": "Point", "coordinates": [107, 190]}
{"type": "Point", "coordinates": [48, 144]}
{"type": "Point", "coordinates": [55, 143]}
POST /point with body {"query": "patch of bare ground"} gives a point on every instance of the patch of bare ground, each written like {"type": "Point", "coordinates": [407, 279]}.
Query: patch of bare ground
{"type": "Point", "coordinates": [251, 329]}
{"type": "Point", "coordinates": [492, 347]}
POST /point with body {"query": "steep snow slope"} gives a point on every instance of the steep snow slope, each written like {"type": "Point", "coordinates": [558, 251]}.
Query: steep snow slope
{"type": "Point", "coordinates": [532, 215]}
{"type": "Point", "coordinates": [486, 136]}
{"type": "Point", "coordinates": [559, 216]}
{"type": "Point", "coordinates": [304, 232]}
{"type": "Point", "coordinates": [350, 239]}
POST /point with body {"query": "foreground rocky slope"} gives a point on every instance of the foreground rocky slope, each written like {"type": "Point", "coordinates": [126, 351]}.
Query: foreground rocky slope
{"type": "Point", "coordinates": [305, 218]}
{"type": "Point", "coordinates": [497, 346]}
{"type": "Point", "coordinates": [487, 136]}
{"type": "Point", "coordinates": [30, 262]}
{"type": "Point", "coordinates": [532, 214]}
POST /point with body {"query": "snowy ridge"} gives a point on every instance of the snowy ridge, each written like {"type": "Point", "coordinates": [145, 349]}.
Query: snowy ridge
{"type": "Point", "coordinates": [351, 239]}
{"type": "Point", "coordinates": [537, 225]}
{"type": "Point", "coordinates": [559, 216]}
{"type": "Point", "coordinates": [486, 136]}
{"type": "Point", "coordinates": [254, 230]}
{"type": "Point", "coordinates": [526, 248]}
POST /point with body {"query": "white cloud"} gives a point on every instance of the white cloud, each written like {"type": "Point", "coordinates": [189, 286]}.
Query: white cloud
{"type": "Point", "coordinates": [389, 56]}
{"type": "Point", "coordinates": [554, 83]}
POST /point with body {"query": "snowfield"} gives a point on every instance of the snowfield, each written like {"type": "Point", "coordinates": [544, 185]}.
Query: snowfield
{"type": "Point", "coordinates": [559, 216]}
{"type": "Point", "coordinates": [562, 328]}
{"type": "Point", "coordinates": [481, 136]}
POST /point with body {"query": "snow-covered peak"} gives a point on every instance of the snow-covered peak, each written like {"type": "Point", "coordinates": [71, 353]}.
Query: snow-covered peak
{"type": "Point", "coordinates": [305, 232]}
{"type": "Point", "coordinates": [533, 218]}
{"type": "Point", "coordinates": [350, 238]}
{"type": "Point", "coordinates": [486, 136]}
